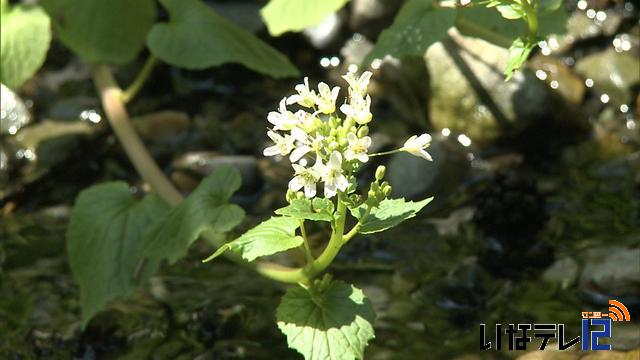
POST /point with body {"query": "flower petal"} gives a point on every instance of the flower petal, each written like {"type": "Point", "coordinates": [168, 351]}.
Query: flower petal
{"type": "Point", "coordinates": [299, 153]}
{"type": "Point", "coordinates": [296, 183]}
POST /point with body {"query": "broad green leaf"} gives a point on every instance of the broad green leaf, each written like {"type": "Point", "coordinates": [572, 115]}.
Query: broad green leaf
{"type": "Point", "coordinates": [206, 209]}
{"type": "Point", "coordinates": [104, 243]}
{"type": "Point", "coordinates": [296, 15]}
{"type": "Point", "coordinates": [269, 237]}
{"type": "Point", "coordinates": [549, 5]}
{"type": "Point", "coordinates": [302, 209]}
{"type": "Point", "coordinates": [110, 31]}
{"type": "Point", "coordinates": [511, 12]}
{"type": "Point", "coordinates": [388, 214]}
{"type": "Point", "coordinates": [518, 54]}
{"type": "Point", "coordinates": [418, 25]}
{"type": "Point", "coordinates": [552, 22]}
{"type": "Point", "coordinates": [331, 322]}
{"type": "Point", "coordinates": [25, 36]}
{"type": "Point", "coordinates": [197, 38]}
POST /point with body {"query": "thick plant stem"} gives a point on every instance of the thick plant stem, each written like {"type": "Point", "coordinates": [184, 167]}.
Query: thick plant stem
{"type": "Point", "coordinates": [111, 97]}
{"type": "Point", "coordinates": [335, 243]}
{"type": "Point", "coordinates": [133, 89]}
{"type": "Point", "coordinates": [112, 102]}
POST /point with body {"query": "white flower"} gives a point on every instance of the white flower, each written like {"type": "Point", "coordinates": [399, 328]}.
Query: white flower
{"type": "Point", "coordinates": [326, 98]}
{"type": "Point", "coordinates": [358, 109]}
{"type": "Point", "coordinates": [284, 119]}
{"type": "Point", "coordinates": [283, 144]}
{"type": "Point", "coordinates": [357, 148]}
{"type": "Point", "coordinates": [415, 145]}
{"type": "Point", "coordinates": [358, 86]}
{"type": "Point", "coordinates": [305, 97]}
{"type": "Point", "coordinates": [305, 177]}
{"type": "Point", "coordinates": [305, 120]}
{"type": "Point", "coordinates": [303, 145]}
{"type": "Point", "coordinates": [332, 175]}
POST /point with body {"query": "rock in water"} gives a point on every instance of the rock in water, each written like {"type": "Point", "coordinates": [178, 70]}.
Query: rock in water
{"type": "Point", "coordinates": [13, 113]}
{"type": "Point", "coordinates": [469, 93]}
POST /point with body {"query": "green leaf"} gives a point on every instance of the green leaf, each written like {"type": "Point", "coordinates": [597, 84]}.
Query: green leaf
{"type": "Point", "coordinates": [104, 243]}
{"type": "Point", "coordinates": [331, 322]}
{"type": "Point", "coordinates": [418, 25]}
{"type": "Point", "coordinates": [552, 22]}
{"type": "Point", "coordinates": [302, 209]}
{"type": "Point", "coordinates": [549, 5]}
{"type": "Point", "coordinates": [388, 214]}
{"type": "Point", "coordinates": [206, 209]}
{"type": "Point", "coordinates": [518, 54]}
{"type": "Point", "coordinates": [110, 31]}
{"type": "Point", "coordinates": [489, 25]}
{"type": "Point", "coordinates": [269, 237]}
{"type": "Point", "coordinates": [511, 11]}
{"type": "Point", "coordinates": [296, 15]}
{"type": "Point", "coordinates": [25, 36]}
{"type": "Point", "coordinates": [198, 38]}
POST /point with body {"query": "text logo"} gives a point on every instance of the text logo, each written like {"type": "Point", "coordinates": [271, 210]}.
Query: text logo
{"type": "Point", "coordinates": [596, 326]}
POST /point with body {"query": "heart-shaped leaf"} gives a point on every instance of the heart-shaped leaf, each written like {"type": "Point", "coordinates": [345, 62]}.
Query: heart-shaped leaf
{"type": "Point", "coordinates": [111, 31]}
{"type": "Point", "coordinates": [296, 15]}
{"type": "Point", "coordinates": [25, 37]}
{"type": "Point", "coordinates": [197, 38]}
{"type": "Point", "coordinates": [104, 242]}
{"type": "Point", "coordinates": [331, 321]}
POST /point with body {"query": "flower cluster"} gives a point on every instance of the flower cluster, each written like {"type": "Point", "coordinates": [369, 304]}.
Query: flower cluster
{"type": "Point", "coordinates": [337, 145]}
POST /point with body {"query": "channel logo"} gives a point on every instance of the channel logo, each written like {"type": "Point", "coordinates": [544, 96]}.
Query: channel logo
{"type": "Point", "coordinates": [596, 326]}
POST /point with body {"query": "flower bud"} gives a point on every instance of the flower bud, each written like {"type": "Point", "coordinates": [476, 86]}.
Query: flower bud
{"type": "Point", "coordinates": [290, 196]}
{"type": "Point", "coordinates": [348, 123]}
{"type": "Point", "coordinates": [333, 145]}
{"type": "Point", "coordinates": [343, 142]}
{"type": "Point", "coordinates": [333, 123]}
{"type": "Point", "coordinates": [333, 132]}
{"type": "Point", "coordinates": [375, 187]}
{"type": "Point", "coordinates": [380, 171]}
{"type": "Point", "coordinates": [363, 131]}
{"type": "Point", "coordinates": [300, 195]}
{"type": "Point", "coordinates": [386, 190]}
{"type": "Point", "coordinates": [371, 194]}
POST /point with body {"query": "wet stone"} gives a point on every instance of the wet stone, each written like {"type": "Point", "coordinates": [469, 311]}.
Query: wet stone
{"type": "Point", "coordinates": [469, 94]}
{"type": "Point", "coordinates": [612, 72]}
{"type": "Point", "coordinates": [555, 73]}
{"type": "Point", "coordinates": [13, 112]}
{"type": "Point", "coordinates": [612, 271]}
{"type": "Point", "coordinates": [201, 164]}
{"type": "Point", "coordinates": [161, 125]}
{"type": "Point", "coordinates": [564, 272]}
{"type": "Point", "coordinates": [415, 178]}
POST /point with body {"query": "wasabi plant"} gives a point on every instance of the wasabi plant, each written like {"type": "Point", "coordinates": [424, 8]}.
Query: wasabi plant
{"type": "Point", "coordinates": [327, 145]}
{"type": "Point", "coordinates": [118, 239]}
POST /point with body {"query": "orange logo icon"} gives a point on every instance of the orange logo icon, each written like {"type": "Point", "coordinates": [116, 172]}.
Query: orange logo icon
{"type": "Point", "coordinates": [617, 311]}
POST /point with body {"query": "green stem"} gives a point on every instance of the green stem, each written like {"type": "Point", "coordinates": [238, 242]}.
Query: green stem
{"type": "Point", "coordinates": [307, 248]}
{"type": "Point", "coordinates": [111, 97]}
{"type": "Point", "coordinates": [386, 152]}
{"type": "Point", "coordinates": [142, 77]}
{"type": "Point", "coordinates": [354, 231]}
{"type": "Point", "coordinates": [532, 20]}
{"type": "Point", "coordinates": [333, 247]}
